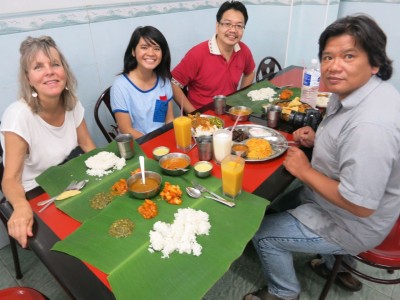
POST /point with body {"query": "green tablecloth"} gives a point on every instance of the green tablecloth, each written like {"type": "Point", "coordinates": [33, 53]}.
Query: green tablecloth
{"type": "Point", "coordinates": [241, 99]}
{"type": "Point", "coordinates": [134, 272]}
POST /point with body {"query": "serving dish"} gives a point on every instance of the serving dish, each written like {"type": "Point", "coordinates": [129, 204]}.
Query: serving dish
{"type": "Point", "coordinates": [240, 112]}
{"type": "Point", "coordinates": [278, 141]}
{"type": "Point", "coordinates": [197, 131]}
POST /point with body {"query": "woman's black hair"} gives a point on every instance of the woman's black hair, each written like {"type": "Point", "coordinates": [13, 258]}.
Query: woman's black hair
{"type": "Point", "coordinates": [152, 36]}
{"type": "Point", "coordinates": [235, 5]}
{"type": "Point", "coordinates": [368, 35]}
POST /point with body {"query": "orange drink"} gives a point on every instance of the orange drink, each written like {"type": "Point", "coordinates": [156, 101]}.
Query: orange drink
{"type": "Point", "coordinates": [183, 132]}
{"type": "Point", "coordinates": [232, 168]}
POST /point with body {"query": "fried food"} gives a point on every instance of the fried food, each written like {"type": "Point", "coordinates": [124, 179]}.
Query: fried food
{"type": "Point", "coordinates": [259, 148]}
{"type": "Point", "coordinates": [121, 228]}
{"type": "Point", "coordinates": [171, 193]}
{"type": "Point", "coordinates": [286, 94]}
{"type": "Point", "coordinates": [119, 188]}
{"type": "Point", "coordinates": [294, 105]}
{"type": "Point", "coordinates": [148, 209]}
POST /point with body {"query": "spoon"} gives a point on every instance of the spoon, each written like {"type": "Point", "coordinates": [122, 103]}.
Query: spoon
{"type": "Point", "coordinates": [195, 193]}
{"type": "Point", "coordinates": [182, 169]}
{"type": "Point", "coordinates": [141, 163]}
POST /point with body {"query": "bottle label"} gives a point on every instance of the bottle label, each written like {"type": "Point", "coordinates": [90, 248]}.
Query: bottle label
{"type": "Point", "coordinates": [311, 80]}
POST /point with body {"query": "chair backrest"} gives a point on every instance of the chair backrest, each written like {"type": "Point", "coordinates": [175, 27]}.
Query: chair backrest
{"type": "Point", "coordinates": [105, 99]}
{"type": "Point", "coordinates": [267, 68]}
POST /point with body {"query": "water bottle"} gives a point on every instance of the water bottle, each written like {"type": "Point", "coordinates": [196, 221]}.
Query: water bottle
{"type": "Point", "coordinates": [311, 78]}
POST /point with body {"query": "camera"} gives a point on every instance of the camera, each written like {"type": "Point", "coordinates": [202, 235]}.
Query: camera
{"type": "Point", "coordinates": [311, 117]}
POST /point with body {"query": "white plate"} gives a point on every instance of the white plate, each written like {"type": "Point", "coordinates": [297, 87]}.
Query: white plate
{"type": "Point", "coordinates": [208, 132]}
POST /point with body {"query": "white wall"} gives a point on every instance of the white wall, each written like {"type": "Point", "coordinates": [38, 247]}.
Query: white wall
{"type": "Point", "coordinates": [94, 46]}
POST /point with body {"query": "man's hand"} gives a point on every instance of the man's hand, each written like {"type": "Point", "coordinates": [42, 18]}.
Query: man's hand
{"type": "Point", "coordinates": [296, 162]}
{"type": "Point", "coordinates": [305, 136]}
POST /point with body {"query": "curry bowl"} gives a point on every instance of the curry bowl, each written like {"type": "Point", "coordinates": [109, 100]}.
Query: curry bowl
{"type": "Point", "coordinates": [149, 189]}
{"type": "Point", "coordinates": [240, 112]}
{"type": "Point", "coordinates": [175, 163]}
{"type": "Point", "coordinates": [240, 149]}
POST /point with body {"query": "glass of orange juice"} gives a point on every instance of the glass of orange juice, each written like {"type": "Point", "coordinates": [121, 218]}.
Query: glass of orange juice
{"type": "Point", "coordinates": [183, 133]}
{"type": "Point", "coordinates": [232, 167]}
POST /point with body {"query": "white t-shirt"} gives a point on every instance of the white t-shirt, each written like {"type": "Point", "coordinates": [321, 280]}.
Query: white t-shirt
{"type": "Point", "coordinates": [48, 145]}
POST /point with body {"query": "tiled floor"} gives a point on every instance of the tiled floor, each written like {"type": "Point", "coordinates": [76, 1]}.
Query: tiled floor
{"type": "Point", "coordinates": [243, 276]}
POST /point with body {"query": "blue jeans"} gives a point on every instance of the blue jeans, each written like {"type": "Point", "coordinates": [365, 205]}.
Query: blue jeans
{"type": "Point", "coordinates": [279, 235]}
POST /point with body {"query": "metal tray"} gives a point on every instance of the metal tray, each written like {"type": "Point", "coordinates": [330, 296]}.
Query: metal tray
{"type": "Point", "coordinates": [277, 140]}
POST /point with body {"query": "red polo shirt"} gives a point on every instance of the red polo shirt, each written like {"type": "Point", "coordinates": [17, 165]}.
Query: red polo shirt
{"type": "Point", "coordinates": [206, 73]}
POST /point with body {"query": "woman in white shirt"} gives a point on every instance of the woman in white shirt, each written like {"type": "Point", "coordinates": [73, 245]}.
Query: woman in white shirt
{"type": "Point", "coordinates": [41, 129]}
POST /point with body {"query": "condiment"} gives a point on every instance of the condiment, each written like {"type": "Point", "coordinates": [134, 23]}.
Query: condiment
{"type": "Point", "coordinates": [203, 167]}
{"type": "Point", "coordinates": [161, 151]}
{"type": "Point", "coordinates": [149, 185]}
{"type": "Point", "coordinates": [239, 148]}
{"type": "Point", "coordinates": [174, 163]}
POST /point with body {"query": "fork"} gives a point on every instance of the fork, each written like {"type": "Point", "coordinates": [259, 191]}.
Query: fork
{"type": "Point", "coordinates": [74, 185]}
{"type": "Point", "coordinates": [217, 197]}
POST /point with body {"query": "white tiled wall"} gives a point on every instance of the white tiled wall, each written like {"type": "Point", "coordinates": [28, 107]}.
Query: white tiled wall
{"type": "Point", "coordinates": [93, 34]}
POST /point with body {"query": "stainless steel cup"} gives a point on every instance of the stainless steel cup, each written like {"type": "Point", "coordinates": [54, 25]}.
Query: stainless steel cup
{"type": "Point", "coordinates": [125, 145]}
{"type": "Point", "coordinates": [204, 145]}
{"type": "Point", "coordinates": [273, 115]}
{"type": "Point", "coordinates": [219, 104]}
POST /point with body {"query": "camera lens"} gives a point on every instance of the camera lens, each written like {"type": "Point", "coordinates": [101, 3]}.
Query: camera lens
{"type": "Point", "coordinates": [296, 119]}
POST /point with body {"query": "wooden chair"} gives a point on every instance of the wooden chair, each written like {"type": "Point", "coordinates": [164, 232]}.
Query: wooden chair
{"type": "Point", "coordinates": [105, 100]}
{"type": "Point", "coordinates": [267, 68]}
{"type": "Point", "coordinates": [386, 256]}
{"type": "Point", "coordinates": [4, 217]}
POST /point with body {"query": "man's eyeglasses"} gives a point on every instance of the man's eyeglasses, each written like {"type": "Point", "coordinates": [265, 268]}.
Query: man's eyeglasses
{"type": "Point", "coordinates": [228, 25]}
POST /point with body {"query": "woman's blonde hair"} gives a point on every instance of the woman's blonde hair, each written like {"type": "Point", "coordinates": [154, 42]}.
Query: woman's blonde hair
{"type": "Point", "coordinates": [29, 49]}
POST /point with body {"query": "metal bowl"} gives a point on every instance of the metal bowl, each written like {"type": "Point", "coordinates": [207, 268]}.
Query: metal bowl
{"type": "Point", "coordinates": [171, 156]}
{"type": "Point", "coordinates": [203, 168]}
{"type": "Point", "coordinates": [146, 194]}
{"type": "Point", "coordinates": [240, 149]}
{"type": "Point", "coordinates": [241, 112]}
{"type": "Point", "coordinates": [160, 152]}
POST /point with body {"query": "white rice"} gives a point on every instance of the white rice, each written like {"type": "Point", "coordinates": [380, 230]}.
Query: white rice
{"type": "Point", "coordinates": [181, 235]}
{"type": "Point", "coordinates": [262, 94]}
{"type": "Point", "coordinates": [103, 163]}
{"type": "Point", "coordinates": [201, 130]}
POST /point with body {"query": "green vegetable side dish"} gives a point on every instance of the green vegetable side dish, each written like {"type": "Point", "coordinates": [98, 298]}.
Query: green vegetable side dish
{"type": "Point", "coordinates": [216, 121]}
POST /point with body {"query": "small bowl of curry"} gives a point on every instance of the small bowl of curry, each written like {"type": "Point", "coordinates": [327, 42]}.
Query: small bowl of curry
{"type": "Point", "coordinates": [240, 112]}
{"type": "Point", "coordinates": [240, 150]}
{"type": "Point", "coordinates": [175, 163]}
{"type": "Point", "coordinates": [148, 189]}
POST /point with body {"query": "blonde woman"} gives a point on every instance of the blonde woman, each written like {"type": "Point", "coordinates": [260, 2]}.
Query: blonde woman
{"type": "Point", "coordinates": [41, 129]}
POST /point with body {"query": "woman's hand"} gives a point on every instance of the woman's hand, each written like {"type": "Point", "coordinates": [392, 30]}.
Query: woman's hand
{"type": "Point", "coordinates": [305, 136]}
{"type": "Point", "coordinates": [20, 223]}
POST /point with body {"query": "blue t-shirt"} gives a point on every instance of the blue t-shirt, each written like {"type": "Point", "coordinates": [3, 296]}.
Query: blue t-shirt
{"type": "Point", "coordinates": [147, 109]}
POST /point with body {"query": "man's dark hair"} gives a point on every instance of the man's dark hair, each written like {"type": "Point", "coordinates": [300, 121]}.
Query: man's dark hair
{"type": "Point", "coordinates": [236, 5]}
{"type": "Point", "coordinates": [368, 35]}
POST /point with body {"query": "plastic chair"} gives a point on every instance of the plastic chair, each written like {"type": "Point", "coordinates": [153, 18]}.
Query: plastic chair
{"type": "Point", "coordinates": [267, 68]}
{"type": "Point", "coordinates": [4, 218]}
{"type": "Point", "coordinates": [385, 256]}
{"type": "Point", "coordinates": [105, 99]}
{"type": "Point", "coordinates": [21, 293]}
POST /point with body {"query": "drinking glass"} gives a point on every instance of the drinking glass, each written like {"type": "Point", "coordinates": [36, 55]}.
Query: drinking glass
{"type": "Point", "coordinates": [222, 143]}
{"type": "Point", "coordinates": [183, 133]}
{"type": "Point", "coordinates": [232, 168]}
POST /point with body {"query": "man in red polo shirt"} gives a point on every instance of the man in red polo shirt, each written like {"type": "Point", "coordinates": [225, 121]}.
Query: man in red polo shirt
{"type": "Point", "coordinates": [215, 67]}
